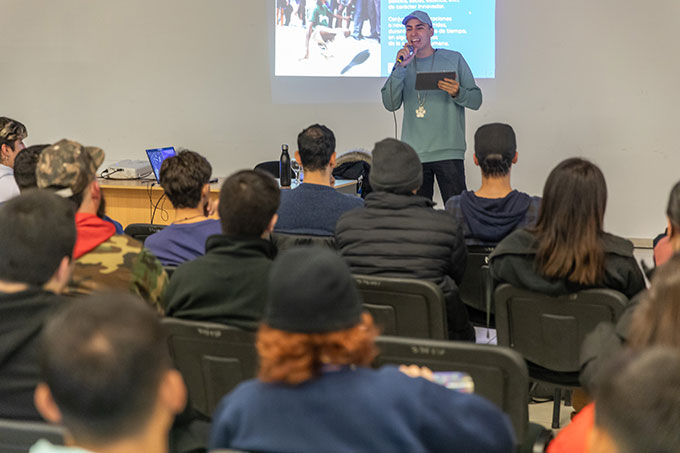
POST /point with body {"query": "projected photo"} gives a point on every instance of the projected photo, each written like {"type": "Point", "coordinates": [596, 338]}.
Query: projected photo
{"type": "Point", "coordinates": [360, 38]}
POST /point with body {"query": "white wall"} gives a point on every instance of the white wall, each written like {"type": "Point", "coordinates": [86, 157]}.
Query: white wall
{"type": "Point", "coordinates": [589, 78]}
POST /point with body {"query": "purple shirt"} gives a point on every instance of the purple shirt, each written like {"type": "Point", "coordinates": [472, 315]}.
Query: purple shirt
{"type": "Point", "coordinates": [182, 242]}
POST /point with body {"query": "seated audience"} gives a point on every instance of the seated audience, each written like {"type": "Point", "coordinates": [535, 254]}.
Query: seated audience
{"type": "Point", "coordinates": [24, 167]}
{"type": "Point", "coordinates": [229, 283]}
{"type": "Point", "coordinates": [655, 321]}
{"type": "Point", "coordinates": [638, 405]}
{"type": "Point", "coordinates": [108, 377]}
{"type": "Point", "coordinates": [185, 178]}
{"type": "Point", "coordinates": [607, 338]}
{"type": "Point", "coordinates": [315, 391]}
{"type": "Point", "coordinates": [314, 207]}
{"type": "Point", "coordinates": [400, 234]}
{"type": "Point", "coordinates": [37, 234]}
{"type": "Point", "coordinates": [567, 250]}
{"type": "Point", "coordinates": [12, 135]}
{"type": "Point", "coordinates": [495, 209]}
{"type": "Point", "coordinates": [104, 260]}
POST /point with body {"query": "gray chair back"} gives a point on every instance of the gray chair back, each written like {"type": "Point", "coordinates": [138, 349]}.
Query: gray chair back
{"type": "Point", "coordinates": [19, 436]}
{"type": "Point", "coordinates": [405, 307]}
{"type": "Point", "coordinates": [213, 359]}
{"type": "Point", "coordinates": [500, 374]}
{"type": "Point", "coordinates": [548, 331]}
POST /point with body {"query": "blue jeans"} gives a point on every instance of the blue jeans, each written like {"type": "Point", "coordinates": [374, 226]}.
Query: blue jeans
{"type": "Point", "coordinates": [367, 9]}
{"type": "Point", "coordinates": [450, 178]}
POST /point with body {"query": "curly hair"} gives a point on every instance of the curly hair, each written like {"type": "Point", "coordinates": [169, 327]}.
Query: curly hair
{"type": "Point", "coordinates": [11, 131]}
{"type": "Point", "coordinates": [293, 358]}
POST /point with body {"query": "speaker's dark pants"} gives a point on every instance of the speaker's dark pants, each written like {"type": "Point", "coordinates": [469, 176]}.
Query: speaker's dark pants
{"type": "Point", "coordinates": [450, 177]}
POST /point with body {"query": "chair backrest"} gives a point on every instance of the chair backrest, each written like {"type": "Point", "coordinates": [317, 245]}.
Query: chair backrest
{"type": "Point", "coordinates": [272, 167]}
{"type": "Point", "coordinates": [500, 374]}
{"type": "Point", "coordinates": [405, 307]}
{"type": "Point", "coordinates": [141, 231]}
{"type": "Point", "coordinates": [213, 359]}
{"type": "Point", "coordinates": [18, 436]}
{"type": "Point", "coordinates": [285, 241]}
{"type": "Point", "coordinates": [548, 331]}
{"type": "Point", "coordinates": [476, 288]}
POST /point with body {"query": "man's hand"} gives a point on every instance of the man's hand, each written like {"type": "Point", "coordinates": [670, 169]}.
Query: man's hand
{"type": "Point", "coordinates": [405, 52]}
{"type": "Point", "coordinates": [415, 371]}
{"type": "Point", "coordinates": [450, 86]}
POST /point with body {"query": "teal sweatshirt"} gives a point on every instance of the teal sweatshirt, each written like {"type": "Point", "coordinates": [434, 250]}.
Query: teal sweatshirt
{"type": "Point", "coordinates": [440, 135]}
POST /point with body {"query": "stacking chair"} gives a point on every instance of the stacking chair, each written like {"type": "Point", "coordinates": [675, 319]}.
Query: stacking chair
{"type": "Point", "coordinates": [405, 307]}
{"type": "Point", "coordinates": [18, 436]}
{"type": "Point", "coordinates": [476, 288]}
{"type": "Point", "coordinates": [499, 374]}
{"type": "Point", "coordinates": [213, 359]}
{"type": "Point", "coordinates": [548, 331]}
{"type": "Point", "coordinates": [285, 241]}
{"type": "Point", "coordinates": [141, 231]}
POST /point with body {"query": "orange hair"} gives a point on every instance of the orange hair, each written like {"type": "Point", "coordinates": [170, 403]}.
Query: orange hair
{"type": "Point", "coordinates": [293, 358]}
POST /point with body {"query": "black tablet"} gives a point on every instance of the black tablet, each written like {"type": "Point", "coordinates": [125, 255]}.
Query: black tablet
{"type": "Point", "coordinates": [428, 80]}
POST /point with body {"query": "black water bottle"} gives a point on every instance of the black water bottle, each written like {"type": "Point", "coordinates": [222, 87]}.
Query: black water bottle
{"type": "Point", "coordinates": [284, 167]}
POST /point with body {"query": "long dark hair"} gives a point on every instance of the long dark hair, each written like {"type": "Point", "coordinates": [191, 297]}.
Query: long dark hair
{"type": "Point", "coordinates": [569, 226]}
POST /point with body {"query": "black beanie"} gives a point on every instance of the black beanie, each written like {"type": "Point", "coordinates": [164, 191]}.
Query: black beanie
{"type": "Point", "coordinates": [311, 290]}
{"type": "Point", "coordinates": [396, 167]}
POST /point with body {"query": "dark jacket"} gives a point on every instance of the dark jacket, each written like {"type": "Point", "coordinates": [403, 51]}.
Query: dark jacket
{"type": "Point", "coordinates": [22, 318]}
{"type": "Point", "coordinates": [513, 262]}
{"type": "Point", "coordinates": [227, 285]}
{"type": "Point", "coordinates": [486, 221]}
{"type": "Point", "coordinates": [403, 236]}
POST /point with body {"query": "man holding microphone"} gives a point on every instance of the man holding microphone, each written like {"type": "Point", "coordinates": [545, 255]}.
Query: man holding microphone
{"type": "Point", "coordinates": [434, 120]}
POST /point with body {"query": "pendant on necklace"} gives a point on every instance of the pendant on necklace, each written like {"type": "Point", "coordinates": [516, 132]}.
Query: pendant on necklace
{"type": "Point", "coordinates": [420, 112]}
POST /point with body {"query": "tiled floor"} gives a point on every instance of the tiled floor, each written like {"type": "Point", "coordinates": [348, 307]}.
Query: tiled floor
{"type": "Point", "coordinates": [485, 336]}
{"type": "Point", "coordinates": [541, 413]}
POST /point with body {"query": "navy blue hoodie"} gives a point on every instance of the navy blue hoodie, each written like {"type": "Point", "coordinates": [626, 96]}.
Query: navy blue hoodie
{"type": "Point", "coordinates": [488, 220]}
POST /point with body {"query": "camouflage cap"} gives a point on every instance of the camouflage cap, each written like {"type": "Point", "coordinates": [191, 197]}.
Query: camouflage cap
{"type": "Point", "coordinates": [69, 166]}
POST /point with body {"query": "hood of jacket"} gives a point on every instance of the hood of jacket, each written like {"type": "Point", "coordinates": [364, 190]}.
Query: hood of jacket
{"type": "Point", "coordinates": [491, 219]}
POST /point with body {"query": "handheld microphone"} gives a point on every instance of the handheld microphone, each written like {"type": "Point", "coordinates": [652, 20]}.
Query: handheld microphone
{"type": "Point", "coordinates": [400, 60]}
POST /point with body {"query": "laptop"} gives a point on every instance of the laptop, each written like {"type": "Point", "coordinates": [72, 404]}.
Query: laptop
{"type": "Point", "coordinates": [157, 156]}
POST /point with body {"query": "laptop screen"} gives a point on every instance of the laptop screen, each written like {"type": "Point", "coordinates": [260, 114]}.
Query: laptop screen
{"type": "Point", "coordinates": [157, 156]}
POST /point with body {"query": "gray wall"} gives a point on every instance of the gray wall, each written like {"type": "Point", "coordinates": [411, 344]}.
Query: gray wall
{"type": "Point", "coordinates": [579, 78]}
